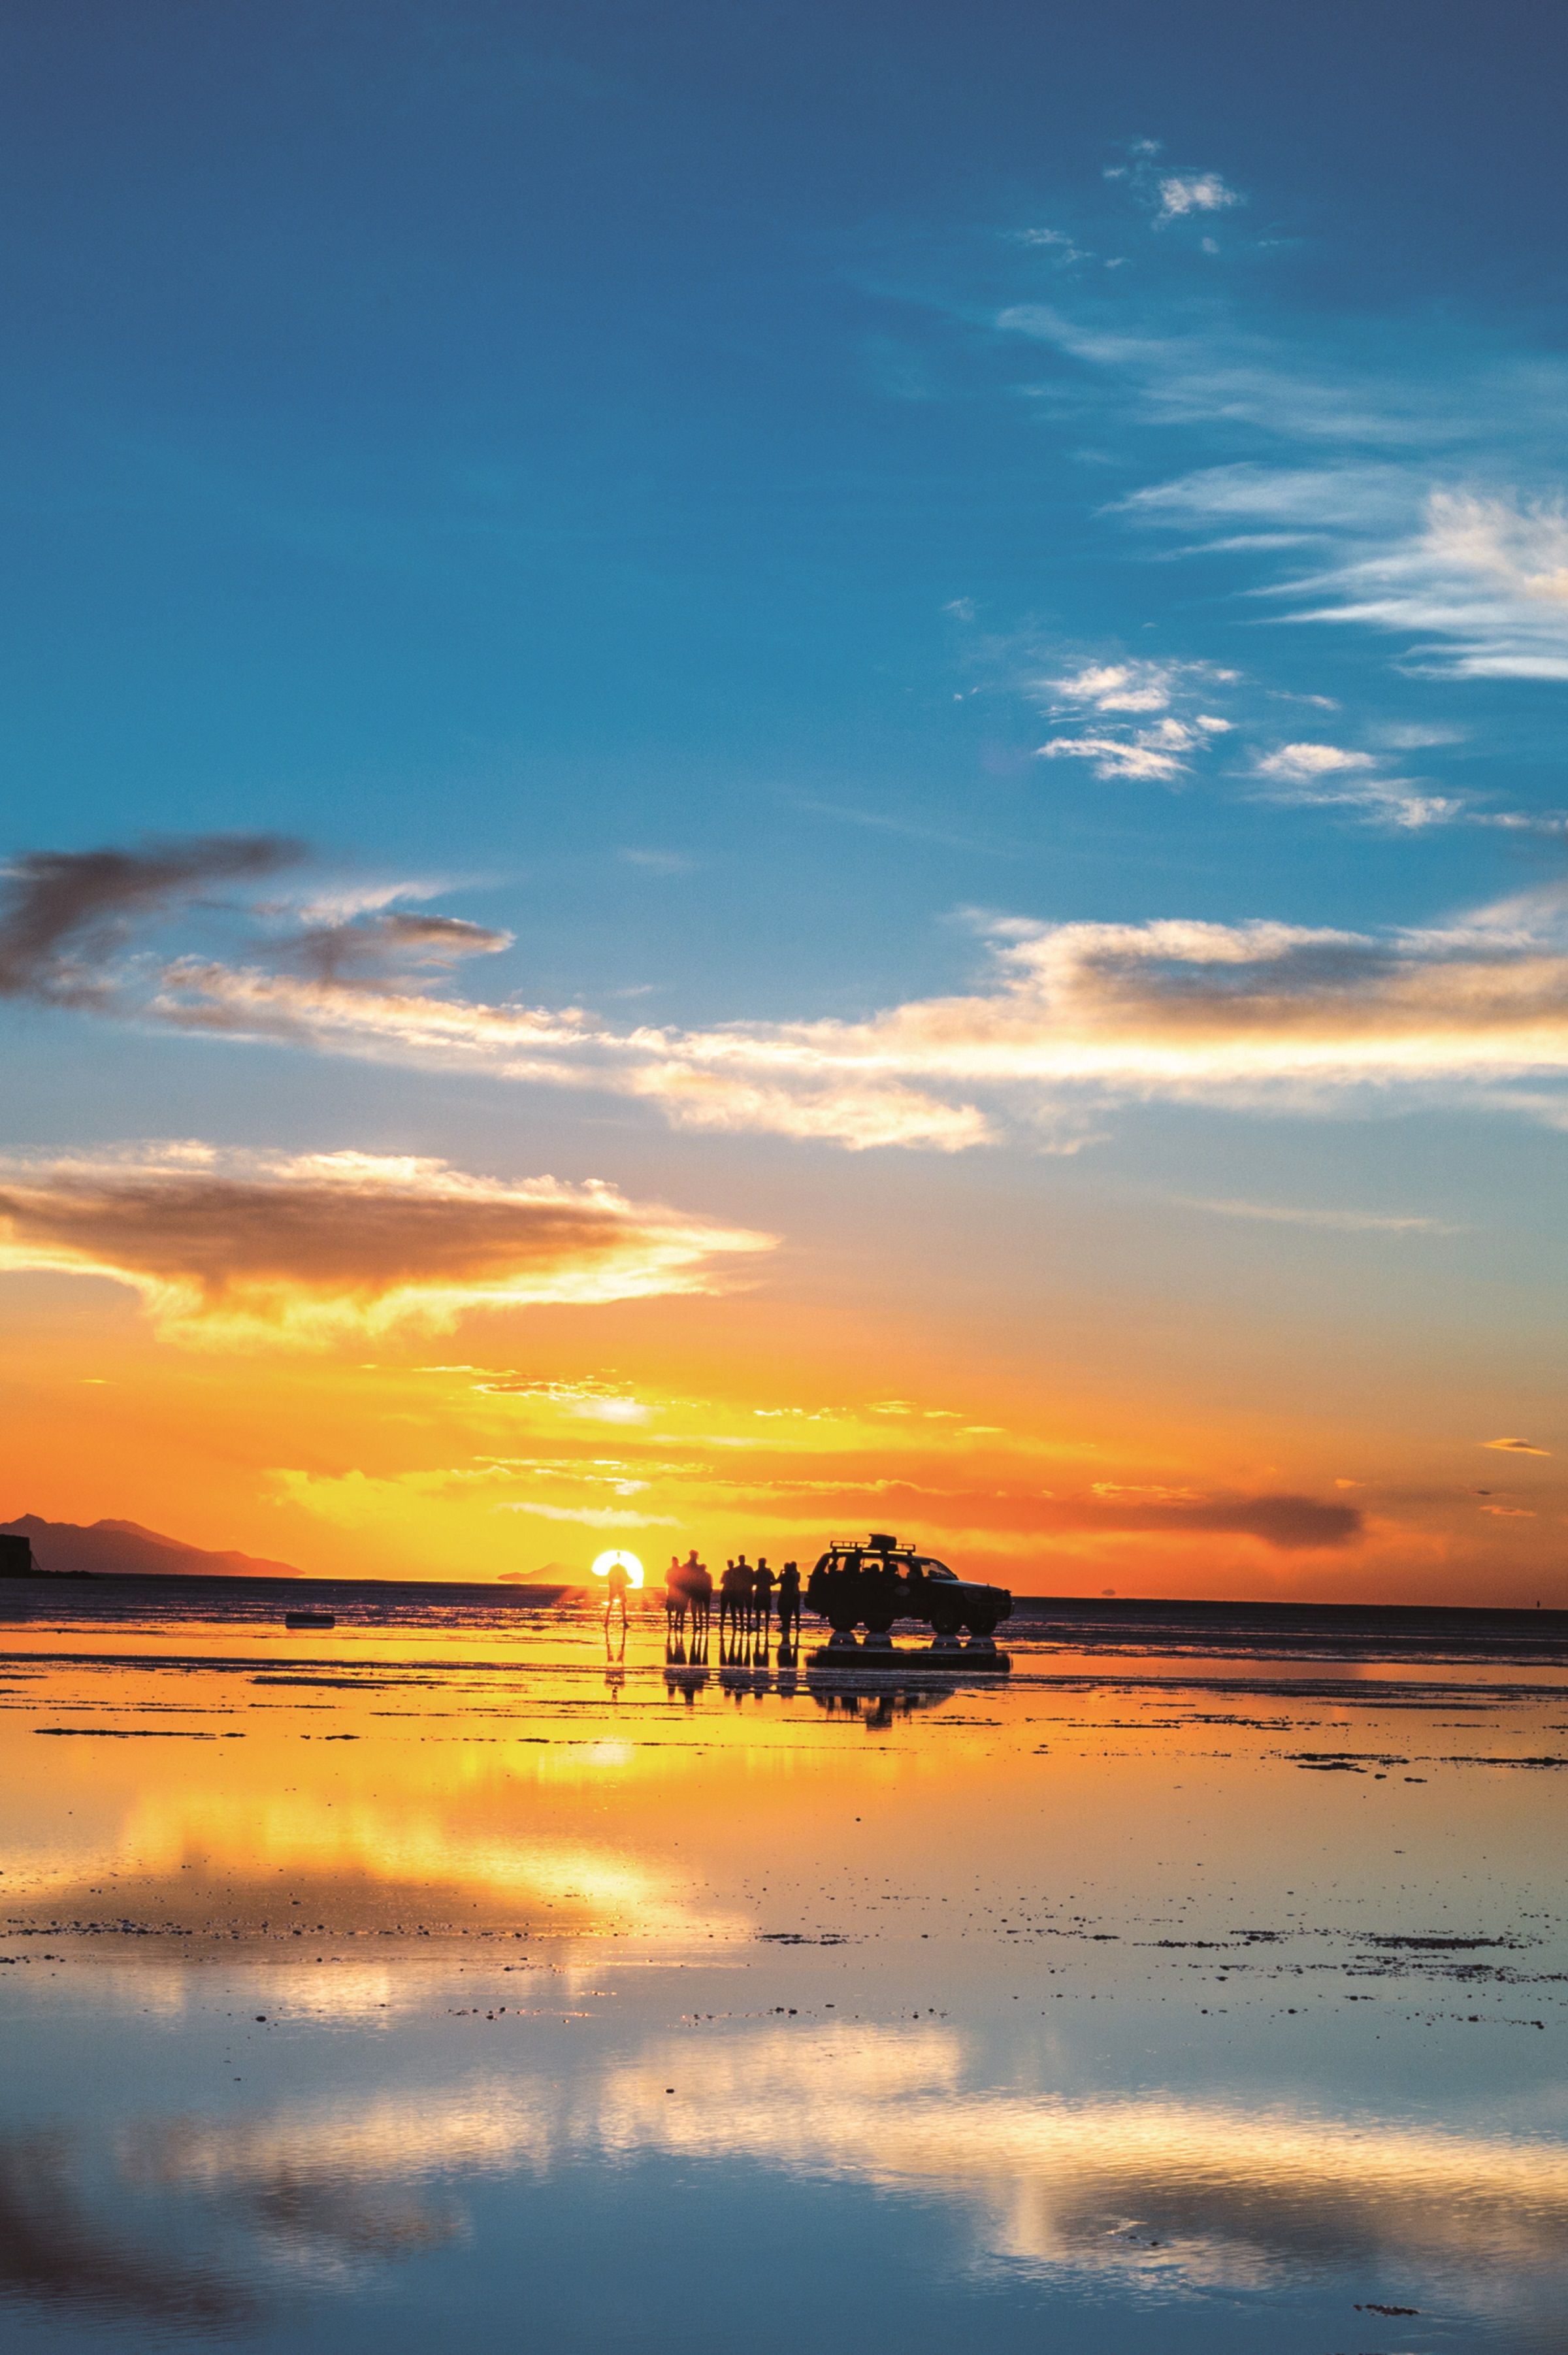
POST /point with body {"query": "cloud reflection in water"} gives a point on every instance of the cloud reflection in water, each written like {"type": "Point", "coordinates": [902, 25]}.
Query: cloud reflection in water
{"type": "Point", "coordinates": [1208, 2196]}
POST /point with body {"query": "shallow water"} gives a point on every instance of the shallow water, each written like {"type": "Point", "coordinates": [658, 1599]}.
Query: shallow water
{"type": "Point", "coordinates": [434, 1982]}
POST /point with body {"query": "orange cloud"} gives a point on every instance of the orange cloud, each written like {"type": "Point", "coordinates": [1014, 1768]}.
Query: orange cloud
{"type": "Point", "coordinates": [245, 1247]}
{"type": "Point", "coordinates": [1286, 1523]}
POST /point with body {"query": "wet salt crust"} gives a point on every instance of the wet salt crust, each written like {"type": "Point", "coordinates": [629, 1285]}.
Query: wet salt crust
{"type": "Point", "coordinates": [435, 1981]}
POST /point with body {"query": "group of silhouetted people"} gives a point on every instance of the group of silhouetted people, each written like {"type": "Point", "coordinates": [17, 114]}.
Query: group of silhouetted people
{"type": "Point", "coordinates": [749, 1595]}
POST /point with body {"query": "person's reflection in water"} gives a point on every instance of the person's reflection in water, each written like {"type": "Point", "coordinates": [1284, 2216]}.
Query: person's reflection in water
{"type": "Point", "coordinates": [688, 1681]}
{"type": "Point", "coordinates": [615, 1652]}
{"type": "Point", "coordinates": [734, 1670]}
{"type": "Point", "coordinates": [789, 1608]}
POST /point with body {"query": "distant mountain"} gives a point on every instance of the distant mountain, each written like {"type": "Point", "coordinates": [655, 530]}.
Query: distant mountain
{"type": "Point", "coordinates": [126, 1549]}
{"type": "Point", "coordinates": [554, 1573]}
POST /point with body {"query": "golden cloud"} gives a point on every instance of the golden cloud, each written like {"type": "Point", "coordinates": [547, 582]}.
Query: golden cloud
{"type": "Point", "coordinates": [243, 1247]}
{"type": "Point", "coordinates": [1066, 1018]}
{"type": "Point", "coordinates": [1170, 1008]}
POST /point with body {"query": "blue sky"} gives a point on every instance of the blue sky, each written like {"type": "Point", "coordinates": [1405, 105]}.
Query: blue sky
{"type": "Point", "coordinates": [775, 517]}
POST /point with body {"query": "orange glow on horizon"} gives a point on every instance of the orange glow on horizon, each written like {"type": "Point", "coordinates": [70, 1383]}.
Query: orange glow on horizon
{"type": "Point", "coordinates": [523, 1445]}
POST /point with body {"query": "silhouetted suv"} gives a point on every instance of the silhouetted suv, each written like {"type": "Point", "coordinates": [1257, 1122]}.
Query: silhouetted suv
{"type": "Point", "coordinates": [873, 1582]}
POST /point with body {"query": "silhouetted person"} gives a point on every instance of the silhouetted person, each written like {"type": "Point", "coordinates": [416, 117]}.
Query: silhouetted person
{"type": "Point", "coordinates": [789, 1603]}
{"type": "Point", "coordinates": [734, 1598]}
{"type": "Point", "coordinates": [700, 1589]}
{"type": "Point", "coordinates": [675, 1599]}
{"type": "Point", "coordinates": [615, 1587]}
{"type": "Point", "coordinates": [762, 1597]}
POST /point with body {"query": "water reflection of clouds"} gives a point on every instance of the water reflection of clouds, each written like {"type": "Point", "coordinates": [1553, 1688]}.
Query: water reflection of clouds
{"type": "Point", "coordinates": [57, 2251]}
{"type": "Point", "coordinates": [213, 1860]}
{"type": "Point", "coordinates": [1233, 2195]}
{"type": "Point", "coordinates": [1180, 2195]}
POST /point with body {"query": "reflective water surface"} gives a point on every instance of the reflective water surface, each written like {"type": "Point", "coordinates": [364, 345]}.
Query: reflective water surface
{"type": "Point", "coordinates": [437, 1981]}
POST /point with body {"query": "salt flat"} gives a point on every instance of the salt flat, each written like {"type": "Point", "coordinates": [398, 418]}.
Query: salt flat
{"type": "Point", "coordinates": [436, 1981]}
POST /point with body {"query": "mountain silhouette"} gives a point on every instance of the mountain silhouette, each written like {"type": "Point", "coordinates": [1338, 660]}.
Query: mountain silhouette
{"type": "Point", "coordinates": [126, 1549]}
{"type": "Point", "coordinates": [556, 1573]}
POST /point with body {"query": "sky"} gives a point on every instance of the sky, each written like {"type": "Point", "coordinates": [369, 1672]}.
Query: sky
{"type": "Point", "coordinates": [775, 770]}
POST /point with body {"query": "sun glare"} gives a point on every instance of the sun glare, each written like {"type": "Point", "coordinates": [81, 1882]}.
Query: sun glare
{"type": "Point", "coordinates": [626, 1561]}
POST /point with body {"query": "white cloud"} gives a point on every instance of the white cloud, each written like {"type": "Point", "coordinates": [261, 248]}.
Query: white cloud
{"type": "Point", "coordinates": [1484, 576]}
{"type": "Point", "coordinates": [1195, 191]}
{"type": "Point", "coordinates": [1055, 241]}
{"type": "Point", "coordinates": [1119, 687]}
{"type": "Point", "coordinates": [1304, 763]}
{"type": "Point", "coordinates": [1413, 737]}
{"type": "Point", "coordinates": [1150, 754]}
{"type": "Point", "coordinates": [1319, 500]}
{"type": "Point", "coordinates": [1327, 775]}
{"type": "Point", "coordinates": [1158, 752]}
{"type": "Point", "coordinates": [1475, 579]}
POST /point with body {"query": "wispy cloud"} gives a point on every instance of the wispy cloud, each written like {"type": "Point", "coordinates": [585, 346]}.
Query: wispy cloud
{"type": "Point", "coordinates": [1474, 578]}
{"type": "Point", "coordinates": [1352, 1222]}
{"type": "Point", "coordinates": [1516, 1446]}
{"type": "Point", "coordinates": [1329, 775]}
{"type": "Point", "coordinates": [1427, 484]}
{"type": "Point", "coordinates": [1146, 754]}
{"type": "Point", "coordinates": [1481, 586]}
{"type": "Point", "coordinates": [1162, 366]}
{"type": "Point", "coordinates": [1128, 683]}
{"type": "Point", "coordinates": [1158, 751]}
{"type": "Point", "coordinates": [660, 862]}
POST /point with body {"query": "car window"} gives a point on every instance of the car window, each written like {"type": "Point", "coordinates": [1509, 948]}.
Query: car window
{"type": "Point", "coordinates": [940, 1570]}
